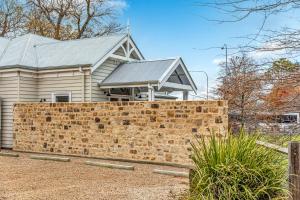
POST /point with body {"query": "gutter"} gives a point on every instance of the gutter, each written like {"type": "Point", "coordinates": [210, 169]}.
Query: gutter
{"type": "Point", "coordinates": [18, 67]}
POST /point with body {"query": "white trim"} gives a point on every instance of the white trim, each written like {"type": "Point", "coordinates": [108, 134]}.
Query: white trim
{"type": "Point", "coordinates": [127, 47]}
{"type": "Point", "coordinates": [19, 87]}
{"type": "Point", "coordinates": [91, 87]}
{"type": "Point", "coordinates": [83, 85]}
{"type": "Point", "coordinates": [171, 69]}
{"type": "Point", "coordinates": [138, 52]}
{"type": "Point", "coordinates": [185, 95]}
{"type": "Point", "coordinates": [151, 96]}
{"type": "Point", "coordinates": [114, 56]}
{"type": "Point", "coordinates": [178, 86]}
{"type": "Point", "coordinates": [168, 72]}
{"type": "Point", "coordinates": [124, 51]}
{"type": "Point", "coordinates": [41, 71]}
{"type": "Point", "coordinates": [131, 50]}
{"type": "Point", "coordinates": [55, 94]}
{"type": "Point", "coordinates": [125, 86]}
{"type": "Point", "coordinates": [113, 50]}
{"type": "Point", "coordinates": [188, 76]}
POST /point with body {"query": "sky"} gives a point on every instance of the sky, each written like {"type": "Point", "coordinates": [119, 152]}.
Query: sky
{"type": "Point", "coordinates": [172, 28]}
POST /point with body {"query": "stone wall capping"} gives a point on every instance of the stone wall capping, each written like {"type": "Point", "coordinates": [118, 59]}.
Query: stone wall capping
{"type": "Point", "coordinates": [171, 173]}
{"type": "Point", "coordinates": [109, 165]}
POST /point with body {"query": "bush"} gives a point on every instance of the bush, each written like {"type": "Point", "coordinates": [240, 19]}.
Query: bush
{"type": "Point", "coordinates": [236, 168]}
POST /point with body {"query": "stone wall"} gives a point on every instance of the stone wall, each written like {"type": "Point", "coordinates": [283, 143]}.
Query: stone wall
{"type": "Point", "coordinates": [148, 131]}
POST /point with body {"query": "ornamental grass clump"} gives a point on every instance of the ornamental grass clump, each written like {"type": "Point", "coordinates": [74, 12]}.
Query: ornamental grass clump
{"type": "Point", "coordinates": [235, 167]}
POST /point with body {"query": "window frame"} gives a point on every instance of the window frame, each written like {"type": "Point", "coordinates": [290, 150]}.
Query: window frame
{"type": "Point", "coordinates": [56, 94]}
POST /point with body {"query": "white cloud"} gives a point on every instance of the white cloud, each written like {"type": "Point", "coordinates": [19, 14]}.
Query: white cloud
{"type": "Point", "coordinates": [218, 61]}
{"type": "Point", "coordinates": [267, 51]}
{"type": "Point", "coordinates": [119, 4]}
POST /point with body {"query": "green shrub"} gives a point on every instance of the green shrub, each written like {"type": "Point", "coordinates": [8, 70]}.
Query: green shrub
{"type": "Point", "coordinates": [236, 168]}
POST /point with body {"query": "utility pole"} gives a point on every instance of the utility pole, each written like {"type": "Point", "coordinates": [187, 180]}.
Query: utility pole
{"type": "Point", "coordinates": [226, 55]}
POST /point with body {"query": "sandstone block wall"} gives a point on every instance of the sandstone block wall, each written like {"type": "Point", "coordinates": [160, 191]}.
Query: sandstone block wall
{"type": "Point", "coordinates": [150, 131]}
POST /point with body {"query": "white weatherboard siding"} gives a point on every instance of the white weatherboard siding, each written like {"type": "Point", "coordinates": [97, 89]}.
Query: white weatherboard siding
{"type": "Point", "coordinates": [99, 75]}
{"type": "Point", "coordinates": [28, 87]}
{"type": "Point", "coordinates": [9, 95]}
{"type": "Point", "coordinates": [63, 82]}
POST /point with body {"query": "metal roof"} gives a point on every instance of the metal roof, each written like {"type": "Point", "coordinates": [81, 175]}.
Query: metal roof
{"type": "Point", "coordinates": [139, 72]}
{"type": "Point", "coordinates": [159, 72]}
{"type": "Point", "coordinates": [35, 51]}
{"type": "Point", "coordinates": [3, 44]}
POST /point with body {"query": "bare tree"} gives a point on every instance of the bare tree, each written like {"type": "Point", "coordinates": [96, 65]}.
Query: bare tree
{"type": "Point", "coordinates": [69, 19]}
{"type": "Point", "coordinates": [11, 18]}
{"type": "Point", "coordinates": [284, 38]}
{"type": "Point", "coordinates": [241, 85]}
{"type": "Point", "coordinates": [90, 17]}
{"type": "Point", "coordinates": [280, 91]}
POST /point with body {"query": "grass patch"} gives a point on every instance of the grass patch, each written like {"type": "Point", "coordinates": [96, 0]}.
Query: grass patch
{"type": "Point", "coordinates": [236, 168]}
{"type": "Point", "coordinates": [281, 140]}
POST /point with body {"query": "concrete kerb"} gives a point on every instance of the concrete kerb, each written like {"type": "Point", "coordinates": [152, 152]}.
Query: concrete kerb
{"type": "Point", "coordinates": [109, 165]}
{"type": "Point", "coordinates": [8, 154]}
{"type": "Point", "coordinates": [171, 173]}
{"type": "Point", "coordinates": [51, 158]}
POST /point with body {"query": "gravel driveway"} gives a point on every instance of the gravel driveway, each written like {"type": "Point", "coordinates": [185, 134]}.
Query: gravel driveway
{"type": "Point", "coordinates": [24, 178]}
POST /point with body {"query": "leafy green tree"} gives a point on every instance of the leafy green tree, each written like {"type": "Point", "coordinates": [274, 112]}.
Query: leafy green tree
{"type": "Point", "coordinates": [284, 65]}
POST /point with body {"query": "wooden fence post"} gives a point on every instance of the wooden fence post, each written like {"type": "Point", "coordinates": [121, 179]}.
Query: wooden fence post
{"type": "Point", "coordinates": [294, 170]}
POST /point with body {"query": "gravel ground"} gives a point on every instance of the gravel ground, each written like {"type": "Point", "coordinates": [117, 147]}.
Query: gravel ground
{"type": "Point", "coordinates": [23, 178]}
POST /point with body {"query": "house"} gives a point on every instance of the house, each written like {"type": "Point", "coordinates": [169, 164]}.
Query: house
{"type": "Point", "coordinates": [107, 68]}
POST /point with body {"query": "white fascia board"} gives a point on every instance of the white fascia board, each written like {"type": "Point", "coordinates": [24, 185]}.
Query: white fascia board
{"type": "Point", "coordinates": [125, 86]}
{"type": "Point", "coordinates": [188, 75]}
{"type": "Point", "coordinates": [121, 58]}
{"type": "Point", "coordinates": [41, 71]}
{"type": "Point", "coordinates": [168, 72]}
{"type": "Point", "coordinates": [178, 86]}
{"type": "Point", "coordinates": [135, 48]}
{"type": "Point", "coordinates": [171, 69]}
{"type": "Point", "coordinates": [109, 54]}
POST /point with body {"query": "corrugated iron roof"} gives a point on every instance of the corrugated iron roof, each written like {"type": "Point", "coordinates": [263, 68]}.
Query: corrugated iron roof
{"type": "Point", "coordinates": [41, 52]}
{"type": "Point", "coordinates": [3, 45]}
{"type": "Point", "coordinates": [139, 72]}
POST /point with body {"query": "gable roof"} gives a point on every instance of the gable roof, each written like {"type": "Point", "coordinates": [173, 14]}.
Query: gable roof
{"type": "Point", "coordinates": [144, 72]}
{"type": "Point", "coordinates": [40, 52]}
{"type": "Point", "coordinates": [138, 72]}
{"type": "Point", "coordinates": [76, 52]}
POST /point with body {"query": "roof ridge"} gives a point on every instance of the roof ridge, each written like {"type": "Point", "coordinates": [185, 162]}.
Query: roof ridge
{"type": "Point", "coordinates": [25, 48]}
{"type": "Point", "coordinates": [76, 40]}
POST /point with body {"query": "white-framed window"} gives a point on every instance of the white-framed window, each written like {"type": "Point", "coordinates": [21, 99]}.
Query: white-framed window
{"type": "Point", "coordinates": [61, 97]}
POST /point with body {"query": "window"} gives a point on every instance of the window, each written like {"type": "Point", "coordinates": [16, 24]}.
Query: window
{"type": "Point", "coordinates": [116, 98]}
{"type": "Point", "coordinates": [61, 97]}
